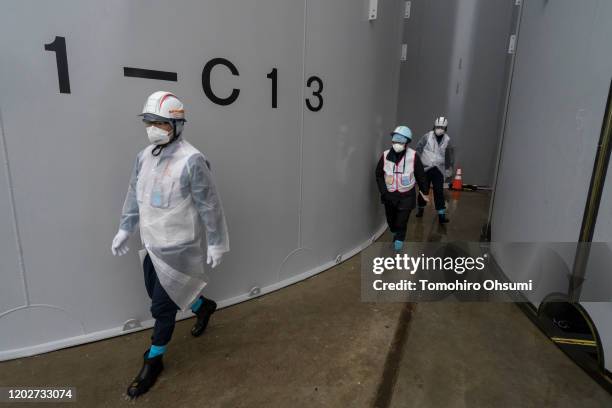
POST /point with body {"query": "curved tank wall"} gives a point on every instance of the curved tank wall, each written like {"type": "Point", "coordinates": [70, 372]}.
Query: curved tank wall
{"type": "Point", "coordinates": [557, 103]}
{"type": "Point", "coordinates": [554, 118]}
{"type": "Point", "coordinates": [296, 180]}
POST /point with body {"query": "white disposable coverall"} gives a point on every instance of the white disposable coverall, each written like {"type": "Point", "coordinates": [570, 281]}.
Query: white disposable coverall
{"type": "Point", "coordinates": [171, 195]}
{"type": "Point", "coordinates": [434, 154]}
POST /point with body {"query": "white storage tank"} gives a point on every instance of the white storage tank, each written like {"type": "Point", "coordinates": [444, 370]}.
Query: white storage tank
{"type": "Point", "coordinates": [293, 114]}
{"type": "Point", "coordinates": [552, 166]}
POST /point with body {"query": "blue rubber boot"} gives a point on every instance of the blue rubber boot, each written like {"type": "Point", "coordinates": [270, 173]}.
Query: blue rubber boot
{"type": "Point", "coordinates": [397, 245]}
{"type": "Point", "coordinates": [442, 219]}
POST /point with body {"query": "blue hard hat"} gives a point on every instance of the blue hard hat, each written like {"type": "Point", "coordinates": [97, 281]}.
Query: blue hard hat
{"type": "Point", "coordinates": [402, 134]}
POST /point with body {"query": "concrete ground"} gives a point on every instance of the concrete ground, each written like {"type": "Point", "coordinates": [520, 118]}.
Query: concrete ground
{"type": "Point", "coordinates": [316, 344]}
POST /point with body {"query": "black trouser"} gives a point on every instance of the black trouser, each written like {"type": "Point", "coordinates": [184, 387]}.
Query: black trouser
{"type": "Point", "coordinates": [436, 178]}
{"type": "Point", "coordinates": [397, 213]}
{"type": "Point", "coordinates": [163, 309]}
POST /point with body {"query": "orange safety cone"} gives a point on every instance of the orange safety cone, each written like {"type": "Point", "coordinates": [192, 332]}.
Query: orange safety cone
{"type": "Point", "coordinates": [457, 182]}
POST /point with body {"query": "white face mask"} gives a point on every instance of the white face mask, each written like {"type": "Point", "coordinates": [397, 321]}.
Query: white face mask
{"type": "Point", "coordinates": [398, 147]}
{"type": "Point", "coordinates": [439, 132]}
{"type": "Point", "coordinates": [158, 136]}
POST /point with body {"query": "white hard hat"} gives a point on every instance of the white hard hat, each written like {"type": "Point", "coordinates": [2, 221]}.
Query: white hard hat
{"type": "Point", "coordinates": [164, 105]}
{"type": "Point", "coordinates": [441, 122]}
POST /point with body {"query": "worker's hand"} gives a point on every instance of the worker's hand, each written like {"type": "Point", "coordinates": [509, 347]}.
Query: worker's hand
{"type": "Point", "coordinates": [119, 246]}
{"type": "Point", "coordinates": [424, 197]}
{"type": "Point", "coordinates": [214, 256]}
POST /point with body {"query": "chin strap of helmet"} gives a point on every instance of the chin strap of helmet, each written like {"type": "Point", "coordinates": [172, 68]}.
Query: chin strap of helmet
{"type": "Point", "coordinates": [158, 149]}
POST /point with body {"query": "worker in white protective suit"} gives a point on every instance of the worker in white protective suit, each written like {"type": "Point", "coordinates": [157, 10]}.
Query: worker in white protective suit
{"type": "Point", "coordinates": [437, 156]}
{"type": "Point", "coordinates": [171, 195]}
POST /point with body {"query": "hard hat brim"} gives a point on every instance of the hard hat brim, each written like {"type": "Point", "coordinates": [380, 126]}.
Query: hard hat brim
{"type": "Point", "coordinates": [151, 117]}
{"type": "Point", "coordinates": [396, 137]}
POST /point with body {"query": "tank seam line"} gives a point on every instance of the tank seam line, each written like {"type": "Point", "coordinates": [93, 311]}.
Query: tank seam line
{"type": "Point", "coordinates": [11, 194]}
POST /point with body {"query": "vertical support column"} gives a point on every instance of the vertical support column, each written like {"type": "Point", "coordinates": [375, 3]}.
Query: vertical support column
{"type": "Point", "coordinates": [591, 208]}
